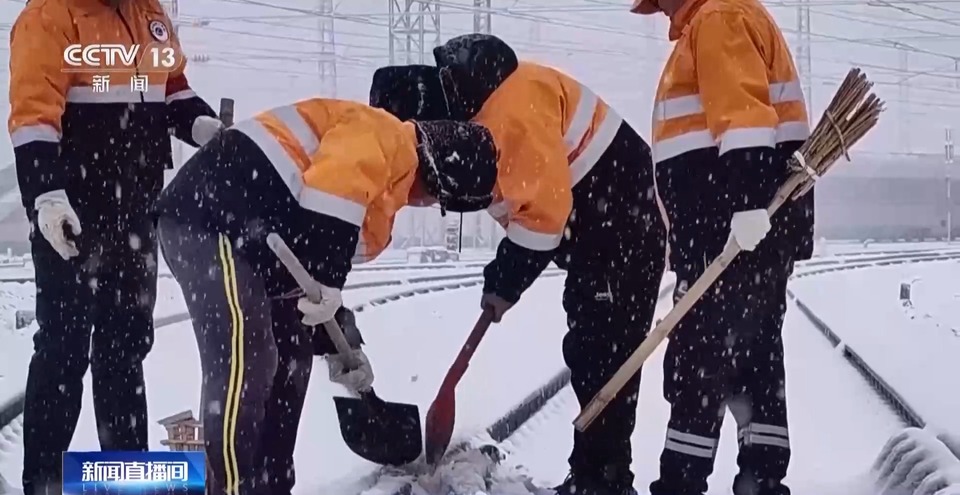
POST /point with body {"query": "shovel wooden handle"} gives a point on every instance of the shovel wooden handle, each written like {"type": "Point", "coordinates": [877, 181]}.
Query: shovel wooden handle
{"type": "Point", "coordinates": [312, 289]}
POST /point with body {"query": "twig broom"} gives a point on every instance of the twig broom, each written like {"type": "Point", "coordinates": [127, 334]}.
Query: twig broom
{"type": "Point", "coordinates": [851, 114]}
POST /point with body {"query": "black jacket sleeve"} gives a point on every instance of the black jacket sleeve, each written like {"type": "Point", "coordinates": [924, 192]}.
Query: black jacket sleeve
{"type": "Point", "coordinates": [325, 245]}
{"type": "Point", "coordinates": [183, 107]}
{"type": "Point", "coordinates": [513, 270]}
{"type": "Point", "coordinates": [754, 176]}
{"type": "Point", "coordinates": [39, 169]}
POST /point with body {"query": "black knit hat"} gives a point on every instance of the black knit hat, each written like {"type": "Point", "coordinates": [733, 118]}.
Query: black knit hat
{"type": "Point", "coordinates": [458, 164]}
{"type": "Point", "coordinates": [409, 92]}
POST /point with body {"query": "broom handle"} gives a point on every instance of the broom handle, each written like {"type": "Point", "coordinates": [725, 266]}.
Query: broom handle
{"type": "Point", "coordinates": [312, 288]}
{"type": "Point", "coordinates": [669, 322]}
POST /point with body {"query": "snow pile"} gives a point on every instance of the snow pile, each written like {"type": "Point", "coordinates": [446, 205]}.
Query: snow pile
{"type": "Point", "coordinates": [468, 471]}
{"type": "Point", "coordinates": [10, 436]}
{"type": "Point", "coordinates": [916, 462]}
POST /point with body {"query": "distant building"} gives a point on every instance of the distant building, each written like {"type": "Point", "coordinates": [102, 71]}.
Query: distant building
{"type": "Point", "coordinates": [888, 197]}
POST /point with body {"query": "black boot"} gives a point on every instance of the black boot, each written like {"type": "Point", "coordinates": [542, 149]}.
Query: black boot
{"type": "Point", "coordinates": [748, 484]}
{"type": "Point", "coordinates": [581, 485]}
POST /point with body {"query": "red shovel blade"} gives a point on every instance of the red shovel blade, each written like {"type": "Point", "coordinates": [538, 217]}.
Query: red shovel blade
{"type": "Point", "coordinates": [442, 413]}
{"type": "Point", "coordinates": [439, 428]}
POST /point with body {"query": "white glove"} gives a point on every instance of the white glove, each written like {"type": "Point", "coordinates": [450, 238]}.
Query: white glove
{"type": "Point", "coordinates": [951, 440]}
{"type": "Point", "coordinates": [54, 214]}
{"type": "Point", "coordinates": [318, 313]}
{"type": "Point", "coordinates": [916, 458]}
{"type": "Point", "coordinates": [205, 128]}
{"type": "Point", "coordinates": [749, 227]}
{"type": "Point", "coordinates": [355, 380]}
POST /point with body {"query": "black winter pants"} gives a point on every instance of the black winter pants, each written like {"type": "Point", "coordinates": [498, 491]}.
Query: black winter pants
{"type": "Point", "coordinates": [727, 352]}
{"type": "Point", "coordinates": [256, 359]}
{"type": "Point", "coordinates": [96, 311]}
{"type": "Point", "coordinates": [614, 257]}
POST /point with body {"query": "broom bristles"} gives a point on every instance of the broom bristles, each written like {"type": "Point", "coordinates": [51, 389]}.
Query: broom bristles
{"type": "Point", "coordinates": [852, 113]}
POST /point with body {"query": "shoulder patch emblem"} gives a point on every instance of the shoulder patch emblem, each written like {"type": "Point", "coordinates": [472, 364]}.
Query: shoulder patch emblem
{"type": "Point", "coordinates": [159, 31]}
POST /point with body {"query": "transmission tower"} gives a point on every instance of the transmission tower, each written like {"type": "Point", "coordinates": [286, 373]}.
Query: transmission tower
{"type": "Point", "coordinates": [804, 59]}
{"type": "Point", "coordinates": [414, 29]}
{"type": "Point", "coordinates": [327, 64]}
{"type": "Point", "coordinates": [481, 16]}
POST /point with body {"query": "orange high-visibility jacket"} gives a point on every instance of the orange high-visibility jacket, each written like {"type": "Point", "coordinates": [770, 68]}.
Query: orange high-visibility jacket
{"type": "Point", "coordinates": [729, 84]}
{"type": "Point", "coordinates": [342, 159]}
{"type": "Point", "coordinates": [550, 131]}
{"type": "Point", "coordinates": [84, 128]}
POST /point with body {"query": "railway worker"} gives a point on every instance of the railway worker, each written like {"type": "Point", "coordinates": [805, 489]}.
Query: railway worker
{"type": "Point", "coordinates": [314, 172]}
{"type": "Point", "coordinates": [729, 112]}
{"type": "Point", "coordinates": [574, 186]}
{"type": "Point", "coordinates": [90, 152]}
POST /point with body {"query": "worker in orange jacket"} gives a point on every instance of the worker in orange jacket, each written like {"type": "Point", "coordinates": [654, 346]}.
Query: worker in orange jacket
{"type": "Point", "coordinates": [91, 147]}
{"type": "Point", "coordinates": [729, 112]}
{"type": "Point", "coordinates": [574, 186]}
{"type": "Point", "coordinates": [328, 176]}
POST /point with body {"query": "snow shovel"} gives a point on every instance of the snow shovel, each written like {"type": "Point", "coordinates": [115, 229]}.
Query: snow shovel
{"type": "Point", "coordinates": [386, 433]}
{"type": "Point", "coordinates": [442, 413]}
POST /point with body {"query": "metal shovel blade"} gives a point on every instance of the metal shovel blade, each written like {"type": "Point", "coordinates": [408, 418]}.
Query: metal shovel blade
{"type": "Point", "coordinates": [441, 418]}
{"type": "Point", "coordinates": [385, 433]}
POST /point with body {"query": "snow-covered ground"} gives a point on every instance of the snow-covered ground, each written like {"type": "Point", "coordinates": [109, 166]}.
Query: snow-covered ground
{"type": "Point", "coordinates": [438, 322]}
{"type": "Point", "coordinates": [18, 343]}
{"type": "Point", "coordinates": [837, 424]}
{"type": "Point", "coordinates": [936, 299]}
{"type": "Point", "coordinates": [836, 248]}
{"type": "Point", "coordinates": [829, 248]}
{"type": "Point", "coordinates": [173, 368]}
{"type": "Point", "coordinates": [918, 356]}
{"type": "Point", "coordinates": [395, 258]}
{"type": "Point", "coordinates": [390, 259]}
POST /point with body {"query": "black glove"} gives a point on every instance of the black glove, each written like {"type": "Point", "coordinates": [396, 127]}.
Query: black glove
{"type": "Point", "coordinates": [322, 345]}
{"type": "Point", "coordinates": [513, 270]}
{"type": "Point", "coordinates": [496, 305]}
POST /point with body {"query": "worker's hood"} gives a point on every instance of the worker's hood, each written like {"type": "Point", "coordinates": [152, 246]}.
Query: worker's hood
{"type": "Point", "coordinates": [472, 67]}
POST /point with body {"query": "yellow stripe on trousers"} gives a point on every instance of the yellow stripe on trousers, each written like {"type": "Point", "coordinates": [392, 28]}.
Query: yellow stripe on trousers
{"type": "Point", "coordinates": [232, 408]}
